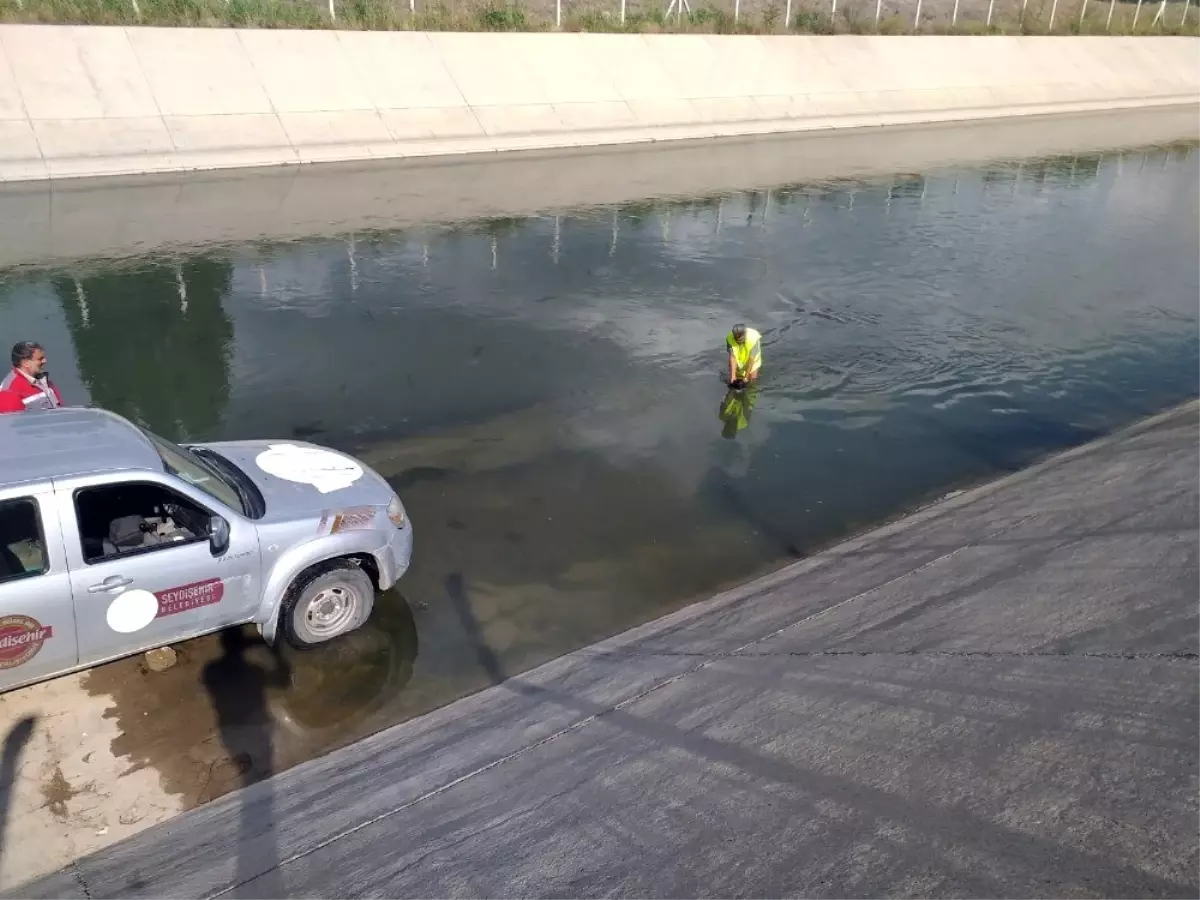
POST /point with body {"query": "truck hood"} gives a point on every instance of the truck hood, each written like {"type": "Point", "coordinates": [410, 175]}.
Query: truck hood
{"type": "Point", "coordinates": [298, 478]}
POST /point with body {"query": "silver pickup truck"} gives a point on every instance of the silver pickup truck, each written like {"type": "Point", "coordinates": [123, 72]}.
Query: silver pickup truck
{"type": "Point", "coordinates": [114, 540]}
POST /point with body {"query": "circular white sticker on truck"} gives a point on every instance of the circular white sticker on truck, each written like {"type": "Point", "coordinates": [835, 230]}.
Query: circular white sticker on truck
{"type": "Point", "coordinates": [323, 469]}
{"type": "Point", "coordinates": [132, 611]}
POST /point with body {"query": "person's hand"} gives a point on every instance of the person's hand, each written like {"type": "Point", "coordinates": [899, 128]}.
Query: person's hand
{"type": "Point", "coordinates": [737, 384]}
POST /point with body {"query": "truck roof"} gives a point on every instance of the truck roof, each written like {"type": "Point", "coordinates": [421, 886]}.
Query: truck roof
{"type": "Point", "coordinates": [39, 445]}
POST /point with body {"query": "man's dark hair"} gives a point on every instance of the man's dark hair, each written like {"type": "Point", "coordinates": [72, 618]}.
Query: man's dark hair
{"type": "Point", "coordinates": [23, 350]}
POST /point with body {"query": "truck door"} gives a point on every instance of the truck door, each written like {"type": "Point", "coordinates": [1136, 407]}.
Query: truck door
{"type": "Point", "coordinates": [37, 617]}
{"type": "Point", "coordinates": [143, 571]}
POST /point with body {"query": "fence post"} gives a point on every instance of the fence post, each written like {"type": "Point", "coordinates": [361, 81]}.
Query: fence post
{"type": "Point", "coordinates": [1112, 4]}
{"type": "Point", "coordinates": [1082, 14]}
{"type": "Point", "coordinates": [332, 11]}
{"type": "Point", "coordinates": [677, 7]}
{"type": "Point", "coordinates": [737, 10]}
{"type": "Point", "coordinates": [137, 11]}
{"type": "Point", "coordinates": [787, 16]}
{"type": "Point", "coordinates": [622, 12]}
{"type": "Point", "coordinates": [991, 6]}
{"type": "Point", "coordinates": [557, 14]}
{"type": "Point", "coordinates": [878, 9]}
{"type": "Point", "coordinates": [954, 15]}
{"type": "Point", "coordinates": [1136, 13]}
{"type": "Point", "coordinates": [832, 10]}
{"type": "Point", "coordinates": [916, 18]}
{"type": "Point", "coordinates": [1053, 11]}
{"type": "Point", "coordinates": [412, 7]}
{"type": "Point", "coordinates": [1183, 19]}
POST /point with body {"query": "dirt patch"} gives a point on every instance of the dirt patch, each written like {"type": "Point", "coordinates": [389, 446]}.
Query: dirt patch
{"type": "Point", "coordinates": [57, 791]}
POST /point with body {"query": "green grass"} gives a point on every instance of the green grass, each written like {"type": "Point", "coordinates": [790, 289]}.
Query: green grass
{"type": "Point", "coordinates": [709, 16]}
{"type": "Point", "coordinates": [196, 13]}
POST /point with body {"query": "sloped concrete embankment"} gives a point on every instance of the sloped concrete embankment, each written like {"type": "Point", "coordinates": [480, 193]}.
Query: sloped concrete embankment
{"type": "Point", "coordinates": [91, 101]}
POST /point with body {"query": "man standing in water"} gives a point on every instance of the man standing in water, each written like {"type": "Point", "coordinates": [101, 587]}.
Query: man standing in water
{"type": "Point", "coordinates": [745, 355]}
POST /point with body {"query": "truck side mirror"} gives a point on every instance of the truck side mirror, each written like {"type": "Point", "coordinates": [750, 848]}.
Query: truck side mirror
{"type": "Point", "coordinates": [218, 535]}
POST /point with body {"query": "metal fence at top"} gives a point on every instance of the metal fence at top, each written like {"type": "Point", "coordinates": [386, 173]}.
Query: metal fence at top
{"type": "Point", "coordinates": [801, 16]}
{"type": "Point", "coordinates": [649, 16]}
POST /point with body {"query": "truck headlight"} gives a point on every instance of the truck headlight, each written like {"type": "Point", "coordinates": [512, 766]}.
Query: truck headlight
{"type": "Point", "coordinates": [395, 512]}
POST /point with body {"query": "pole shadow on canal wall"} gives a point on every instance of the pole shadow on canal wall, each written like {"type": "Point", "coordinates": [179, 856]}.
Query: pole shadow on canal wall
{"type": "Point", "coordinates": [945, 831]}
{"type": "Point", "coordinates": [14, 746]}
{"type": "Point", "coordinates": [456, 589]}
{"type": "Point", "coordinates": [238, 689]}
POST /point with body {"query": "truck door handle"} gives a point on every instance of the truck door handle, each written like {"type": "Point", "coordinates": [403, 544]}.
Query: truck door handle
{"type": "Point", "coordinates": [111, 583]}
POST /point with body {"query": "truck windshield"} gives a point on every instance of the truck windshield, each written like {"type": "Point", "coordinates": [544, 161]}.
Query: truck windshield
{"type": "Point", "coordinates": [185, 464]}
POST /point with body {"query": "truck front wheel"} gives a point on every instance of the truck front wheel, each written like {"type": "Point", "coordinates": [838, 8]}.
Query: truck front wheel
{"type": "Point", "coordinates": [326, 602]}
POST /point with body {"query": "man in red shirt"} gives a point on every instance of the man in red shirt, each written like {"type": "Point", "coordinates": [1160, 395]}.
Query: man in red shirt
{"type": "Point", "coordinates": [10, 403]}
{"type": "Point", "coordinates": [28, 383]}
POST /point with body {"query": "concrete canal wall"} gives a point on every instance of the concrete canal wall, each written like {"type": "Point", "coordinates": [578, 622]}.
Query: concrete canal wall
{"type": "Point", "coordinates": [89, 101]}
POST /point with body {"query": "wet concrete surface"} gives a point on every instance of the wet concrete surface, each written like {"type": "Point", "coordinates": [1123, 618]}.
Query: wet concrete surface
{"type": "Point", "coordinates": [996, 696]}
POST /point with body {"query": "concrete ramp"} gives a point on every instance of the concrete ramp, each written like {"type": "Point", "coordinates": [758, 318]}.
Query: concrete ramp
{"type": "Point", "coordinates": [91, 101]}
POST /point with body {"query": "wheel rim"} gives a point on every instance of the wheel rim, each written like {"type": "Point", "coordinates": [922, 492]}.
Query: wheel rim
{"type": "Point", "coordinates": [330, 611]}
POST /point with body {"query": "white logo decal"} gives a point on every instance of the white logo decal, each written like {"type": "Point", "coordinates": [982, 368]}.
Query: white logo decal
{"type": "Point", "coordinates": [132, 611]}
{"type": "Point", "coordinates": [323, 469]}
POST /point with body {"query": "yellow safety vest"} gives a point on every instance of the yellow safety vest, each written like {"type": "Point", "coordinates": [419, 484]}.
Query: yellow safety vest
{"type": "Point", "coordinates": [748, 356]}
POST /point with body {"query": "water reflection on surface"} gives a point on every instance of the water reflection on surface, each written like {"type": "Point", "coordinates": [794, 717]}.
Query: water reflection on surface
{"type": "Point", "coordinates": [545, 395]}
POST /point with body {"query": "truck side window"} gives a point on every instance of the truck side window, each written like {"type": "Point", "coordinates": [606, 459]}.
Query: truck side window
{"type": "Point", "coordinates": [22, 547]}
{"type": "Point", "coordinates": [117, 520]}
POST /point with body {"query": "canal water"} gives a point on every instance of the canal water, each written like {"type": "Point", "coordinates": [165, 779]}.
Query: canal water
{"type": "Point", "coordinates": [545, 395]}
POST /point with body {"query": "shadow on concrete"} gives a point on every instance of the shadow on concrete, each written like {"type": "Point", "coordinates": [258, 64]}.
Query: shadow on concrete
{"type": "Point", "coordinates": [14, 746]}
{"type": "Point", "coordinates": [456, 590]}
{"type": "Point", "coordinates": [238, 690]}
{"type": "Point", "coordinates": [946, 831]}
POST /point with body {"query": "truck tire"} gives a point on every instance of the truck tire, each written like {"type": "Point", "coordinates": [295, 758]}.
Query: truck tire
{"type": "Point", "coordinates": [326, 602]}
